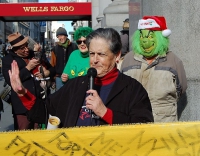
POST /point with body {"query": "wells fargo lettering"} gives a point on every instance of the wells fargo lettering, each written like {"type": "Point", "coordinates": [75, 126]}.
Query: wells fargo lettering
{"type": "Point", "coordinates": [139, 140]}
{"type": "Point", "coordinates": [62, 8]}
{"type": "Point", "coordinates": [51, 9]}
{"type": "Point", "coordinates": [35, 9]}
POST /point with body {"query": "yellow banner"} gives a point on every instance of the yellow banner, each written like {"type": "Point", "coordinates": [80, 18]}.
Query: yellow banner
{"type": "Point", "coordinates": [167, 139]}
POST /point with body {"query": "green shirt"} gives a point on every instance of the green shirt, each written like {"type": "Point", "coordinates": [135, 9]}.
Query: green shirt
{"type": "Point", "coordinates": [77, 65]}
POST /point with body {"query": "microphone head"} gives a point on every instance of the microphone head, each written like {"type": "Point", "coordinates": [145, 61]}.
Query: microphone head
{"type": "Point", "coordinates": [92, 72]}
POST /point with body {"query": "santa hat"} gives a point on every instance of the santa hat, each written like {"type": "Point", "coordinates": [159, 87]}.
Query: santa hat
{"type": "Point", "coordinates": [156, 23]}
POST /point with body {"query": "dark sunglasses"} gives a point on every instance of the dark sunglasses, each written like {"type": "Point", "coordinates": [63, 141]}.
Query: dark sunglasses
{"type": "Point", "coordinates": [80, 41]}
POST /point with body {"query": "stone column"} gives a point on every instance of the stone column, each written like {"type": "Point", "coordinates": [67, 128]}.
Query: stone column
{"type": "Point", "coordinates": [115, 14]}
{"type": "Point", "coordinates": [135, 13]}
{"type": "Point", "coordinates": [102, 5]}
{"type": "Point", "coordinates": [95, 12]}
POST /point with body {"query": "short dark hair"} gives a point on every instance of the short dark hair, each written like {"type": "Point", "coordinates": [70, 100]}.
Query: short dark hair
{"type": "Point", "coordinates": [110, 35]}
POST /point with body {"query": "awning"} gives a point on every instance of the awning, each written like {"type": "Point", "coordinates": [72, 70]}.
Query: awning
{"type": "Point", "coordinates": [10, 12]}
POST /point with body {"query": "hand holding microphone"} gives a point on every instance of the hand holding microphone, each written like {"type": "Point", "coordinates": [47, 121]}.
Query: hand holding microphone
{"type": "Point", "coordinates": [93, 101]}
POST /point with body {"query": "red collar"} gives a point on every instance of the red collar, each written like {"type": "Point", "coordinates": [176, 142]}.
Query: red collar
{"type": "Point", "coordinates": [108, 78]}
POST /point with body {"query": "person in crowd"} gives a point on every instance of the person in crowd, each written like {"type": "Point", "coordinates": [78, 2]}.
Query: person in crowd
{"type": "Point", "coordinates": [125, 44]}
{"type": "Point", "coordinates": [60, 54]}
{"type": "Point", "coordinates": [2, 48]}
{"type": "Point", "coordinates": [7, 47]}
{"type": "Point", "coordinates": [78, 62]}
{"type": "Point", "coordinates": [124, 50]}
{"type": "Point", "coordinates": [125, 41]}
{"type": "Point", "coordinates": [27, 62]}
{"type": "Point", "coordinates": [115, 99]}
{"type": "Point", "coordinates": [159, 70]}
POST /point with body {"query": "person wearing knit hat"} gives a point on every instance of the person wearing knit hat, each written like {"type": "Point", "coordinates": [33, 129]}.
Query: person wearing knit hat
{"type": "Point", "coordinates": [159, 70]}
{"type": "Point", "coordinates": [60, 54]}
{"type": "Point", "coordinates": [61, 31]}
{"type": "Point", "coordinates": [78, 62]}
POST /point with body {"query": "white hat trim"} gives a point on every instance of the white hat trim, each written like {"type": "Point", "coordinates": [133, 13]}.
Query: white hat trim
{"type": "Point", "coordinates": [148, 23]}
{"type": "Point", "coordinates": [166, 32]}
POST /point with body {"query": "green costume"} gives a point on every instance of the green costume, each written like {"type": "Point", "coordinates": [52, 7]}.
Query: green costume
{"type": "Point", "coordinates": [159, 70]}
{"type": "Point", "coordinates": [77, 64]}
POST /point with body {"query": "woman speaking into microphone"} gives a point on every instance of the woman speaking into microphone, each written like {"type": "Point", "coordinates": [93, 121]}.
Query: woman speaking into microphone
{"type": "Point", "coordinates": [114, 99]}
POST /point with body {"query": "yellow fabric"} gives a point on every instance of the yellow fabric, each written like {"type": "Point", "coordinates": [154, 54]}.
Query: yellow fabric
{"type": "Point", "coordinates": [167, 139]}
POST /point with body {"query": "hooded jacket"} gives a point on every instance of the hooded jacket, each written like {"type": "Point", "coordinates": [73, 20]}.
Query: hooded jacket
{"type": "Point", "coordinates": [164, 79]}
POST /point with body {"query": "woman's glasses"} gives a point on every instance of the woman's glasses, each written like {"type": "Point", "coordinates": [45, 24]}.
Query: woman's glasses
{"type": "Point", "coordinates": [80, 41]}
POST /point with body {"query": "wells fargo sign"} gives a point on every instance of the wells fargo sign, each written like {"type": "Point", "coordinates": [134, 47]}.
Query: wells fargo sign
{"type": "Point", "coordinates": [78, 10]}
{"type": "Point", "coordinates": [47, 9]}
{"type": "Point", "coordinates": [165, 139]}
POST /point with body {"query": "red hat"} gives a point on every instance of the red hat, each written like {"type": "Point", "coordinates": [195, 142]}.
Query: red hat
{"type": "Point", "coordinates": [156, 23]}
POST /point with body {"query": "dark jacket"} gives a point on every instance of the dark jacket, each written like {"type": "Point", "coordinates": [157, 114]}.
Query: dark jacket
{"type": "Point", "coordinates": [1, 106]}
{"type": "Point", "coordinates": [25, 76]}
{"type": "Point", "coordinates": [60, 56]}
{"type": "Point", "coordinates": [128, 100]}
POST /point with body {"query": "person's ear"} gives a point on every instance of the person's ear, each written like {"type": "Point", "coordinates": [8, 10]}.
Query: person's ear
{"type": "Point", "coordinates": [118, 56]}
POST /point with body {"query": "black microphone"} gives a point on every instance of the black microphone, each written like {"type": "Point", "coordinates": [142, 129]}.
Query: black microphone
{"type": "Point", "coordinates": [91, 73]}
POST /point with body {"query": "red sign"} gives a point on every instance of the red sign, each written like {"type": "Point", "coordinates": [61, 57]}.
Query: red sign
{"type": "Point", "coordinates": [11, 11]}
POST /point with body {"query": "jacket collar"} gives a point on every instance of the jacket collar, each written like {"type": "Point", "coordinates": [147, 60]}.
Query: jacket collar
{"type": "Point", "coordinates": [158, 59]}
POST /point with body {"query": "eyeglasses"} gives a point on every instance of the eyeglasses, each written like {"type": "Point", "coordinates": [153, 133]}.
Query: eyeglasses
{"type": "Point", "coordinates": [23, 47]}
{"type": "Point", "coordinates": [80, 41]}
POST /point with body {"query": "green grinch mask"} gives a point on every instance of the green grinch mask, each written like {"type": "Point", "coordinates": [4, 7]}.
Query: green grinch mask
{"type": "Point", "coordinates": [149, 43]}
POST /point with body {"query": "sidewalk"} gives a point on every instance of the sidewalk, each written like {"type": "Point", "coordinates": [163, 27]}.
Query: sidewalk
{"type": "Point", "coordinates": [6, 123]}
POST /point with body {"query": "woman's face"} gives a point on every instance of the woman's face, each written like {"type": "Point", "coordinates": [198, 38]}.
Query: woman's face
{"type": "Point", "coordinates": [81, 45]}
{"type": "Point", "coordinates": [101, 56]}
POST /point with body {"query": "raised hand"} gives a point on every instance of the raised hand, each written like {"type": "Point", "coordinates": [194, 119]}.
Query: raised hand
{"type": "Point", "coordinates": [15, 79]}
{"type": "Point", "coordinates": [37, 47]}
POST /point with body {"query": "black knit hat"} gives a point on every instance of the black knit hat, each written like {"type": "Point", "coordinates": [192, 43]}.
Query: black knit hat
{"type": "Point", "coordinates": [61, 31]}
